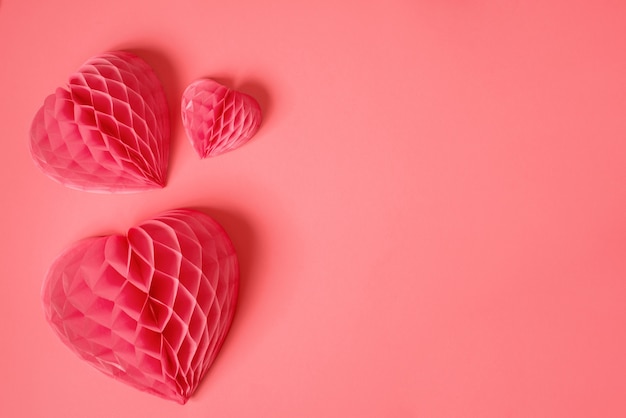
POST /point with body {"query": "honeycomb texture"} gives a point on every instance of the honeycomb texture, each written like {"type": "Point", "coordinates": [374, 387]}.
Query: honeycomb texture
{"type": "Point", "coordinates": [218, 119]}
{"type": "Point", "coordinates": [152, 308]}
{"type": "Point", "coordinates": [108, 130]}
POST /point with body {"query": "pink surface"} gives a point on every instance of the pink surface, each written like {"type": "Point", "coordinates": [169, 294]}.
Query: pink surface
{"type": "Point", "coordinates": [430, 221]}
{"type": "Point", "coordinates": [152, 308]}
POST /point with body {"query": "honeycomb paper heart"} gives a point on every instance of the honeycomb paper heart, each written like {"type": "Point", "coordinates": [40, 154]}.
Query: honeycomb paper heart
{"type": "Point", "coordinates": [218, 119]}
{"type": "Point", "coordinates": [152, 308]}
{"type": "Point", "coordinates": [108, 130]}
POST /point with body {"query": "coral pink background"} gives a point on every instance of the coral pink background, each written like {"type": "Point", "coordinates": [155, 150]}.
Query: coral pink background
{"type": "Point", "coordinates": [431, 221]}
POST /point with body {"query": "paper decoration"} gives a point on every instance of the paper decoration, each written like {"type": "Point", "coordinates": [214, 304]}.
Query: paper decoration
{"type": "Point", "coordinates": [152, 308]}
{"type": "Point", "coordinates": [218, 119]}
{"type": "Point", "coordinates": [108, 130]}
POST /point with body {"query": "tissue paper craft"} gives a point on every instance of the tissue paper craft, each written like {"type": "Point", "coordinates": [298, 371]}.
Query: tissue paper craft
{"type": "Point", "coordinates": [152, 308]}
{"type": "Point", "coordinates": [218, 119]}
{"type": "Point", "coordinates": [108, 130]}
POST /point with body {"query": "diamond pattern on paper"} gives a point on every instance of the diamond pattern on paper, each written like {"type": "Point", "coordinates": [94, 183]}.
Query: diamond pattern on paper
{"type": "Point", "coordinates": [218, 119]}
{"type": "Point", "coordinates": [152, 308]}
{"type": "Point", "coordinates": [108, 130]}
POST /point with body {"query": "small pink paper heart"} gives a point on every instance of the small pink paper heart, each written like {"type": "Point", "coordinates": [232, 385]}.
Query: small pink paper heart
{"type": "Point", "coordinates": [108, 130]}
{"type": "Point", "coordinates": [218, 119]}
{"type": "Point", "coordinates": [152, 308]}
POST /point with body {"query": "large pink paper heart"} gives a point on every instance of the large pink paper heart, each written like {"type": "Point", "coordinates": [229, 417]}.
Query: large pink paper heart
{"type": "Point", "coordinates": [108, 130]}
{"type": "Point", "coordinates": [152, 308]}
{"type": "Point", "coordinates": [218, 119]}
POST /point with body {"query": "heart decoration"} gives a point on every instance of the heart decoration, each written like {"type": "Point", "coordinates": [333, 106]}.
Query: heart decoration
{"type": "Point", "coordinates": [108, 130]}
{"type": "Point", "coordinates": [151, 308]}
{"type": "Point", "coordinates": [218, 119]}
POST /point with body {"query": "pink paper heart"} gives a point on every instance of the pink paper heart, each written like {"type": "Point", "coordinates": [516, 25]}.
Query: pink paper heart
{"type": "Point", "coordinates": [218, 119]}
{"type": "Point", "coordinates": [108, 130]}
{"type": "Point", "coordinates": [152, 308]}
